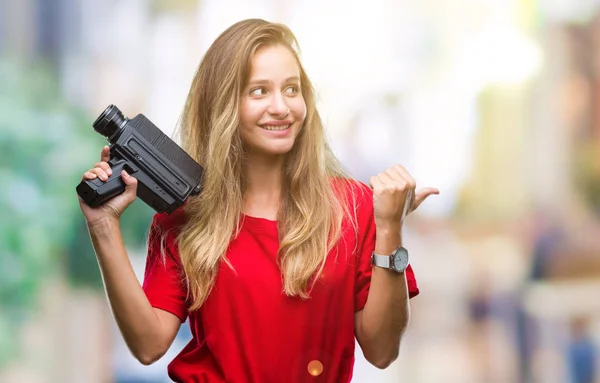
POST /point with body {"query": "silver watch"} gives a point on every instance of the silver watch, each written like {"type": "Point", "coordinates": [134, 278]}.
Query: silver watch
{"type": "Point", "coordinates": [397, 261]}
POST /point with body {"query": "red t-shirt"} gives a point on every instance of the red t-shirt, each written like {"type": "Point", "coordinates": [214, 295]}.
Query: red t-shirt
{"type": "Point", "coordinates": [248, 330]}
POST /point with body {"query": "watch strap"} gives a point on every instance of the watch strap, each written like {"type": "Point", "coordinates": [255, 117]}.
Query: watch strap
{"type": "Point", "coordinates": [382, 260]}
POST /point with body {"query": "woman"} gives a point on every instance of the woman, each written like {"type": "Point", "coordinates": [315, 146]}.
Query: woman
{"type": "Point", "coordinates": [272, 262]}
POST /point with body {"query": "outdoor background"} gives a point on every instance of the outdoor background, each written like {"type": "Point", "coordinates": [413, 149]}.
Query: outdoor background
{"type": "Point", "coordinates": [496, 103]}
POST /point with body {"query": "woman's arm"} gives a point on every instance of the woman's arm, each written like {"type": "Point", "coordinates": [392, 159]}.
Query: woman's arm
{"type": "Point", "coordinates": [380, 324]}
{"type": "Point", "coordinates": [148, 331]}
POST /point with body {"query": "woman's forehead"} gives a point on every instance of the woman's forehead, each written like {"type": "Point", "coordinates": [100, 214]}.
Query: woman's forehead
{"type": "Point", "coordinates": [274, 62]}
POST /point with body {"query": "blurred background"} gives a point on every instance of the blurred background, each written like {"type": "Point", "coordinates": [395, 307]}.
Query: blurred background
{"type": "Point", "coordinates": [496, 103]}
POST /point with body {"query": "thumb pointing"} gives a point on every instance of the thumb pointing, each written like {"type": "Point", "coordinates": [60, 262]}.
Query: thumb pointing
{"type": "Point", "coordinates": [422, 195]}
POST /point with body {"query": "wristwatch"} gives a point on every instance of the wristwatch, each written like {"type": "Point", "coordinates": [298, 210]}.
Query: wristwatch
{"type": "Point", "coordinates": [397, 261]}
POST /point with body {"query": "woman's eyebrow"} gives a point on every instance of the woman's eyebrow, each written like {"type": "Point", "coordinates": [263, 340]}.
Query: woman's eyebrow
{"type": "Point", "coordinates": [261, 82]}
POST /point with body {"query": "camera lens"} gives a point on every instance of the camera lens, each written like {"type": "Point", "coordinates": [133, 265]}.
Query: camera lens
{"type": "Point", "coordinates": [109, 122]}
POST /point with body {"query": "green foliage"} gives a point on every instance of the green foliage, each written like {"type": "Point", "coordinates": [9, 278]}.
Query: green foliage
{"type": "Point", "coordinates": [45, 146]}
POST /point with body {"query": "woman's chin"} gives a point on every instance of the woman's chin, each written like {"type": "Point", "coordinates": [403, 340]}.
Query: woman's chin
{"type": "Point", "coordinates": [272, 151]}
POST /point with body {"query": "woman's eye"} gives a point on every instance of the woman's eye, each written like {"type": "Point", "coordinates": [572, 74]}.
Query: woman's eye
{"type": "Point", "coordinates": [291, 89]}
{"type": "Point", "coordinates": [257, 92]}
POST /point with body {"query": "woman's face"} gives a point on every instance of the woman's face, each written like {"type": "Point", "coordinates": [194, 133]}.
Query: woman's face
{"type": "Point", "coordinates": [272, 108]}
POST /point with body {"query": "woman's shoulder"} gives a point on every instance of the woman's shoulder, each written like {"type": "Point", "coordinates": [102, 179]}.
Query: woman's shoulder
{"type": "Point", "coordinates": [163, 222]}
{"type": "Point", "coordinates": [162, 238]}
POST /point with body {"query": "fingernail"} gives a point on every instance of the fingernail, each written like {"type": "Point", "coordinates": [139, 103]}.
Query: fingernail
{"type": "Point", "coordinates": [124, 173]}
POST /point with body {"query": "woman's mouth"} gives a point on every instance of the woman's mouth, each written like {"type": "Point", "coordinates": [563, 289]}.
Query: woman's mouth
{"type": "Point", "coordinates": [275, 127]}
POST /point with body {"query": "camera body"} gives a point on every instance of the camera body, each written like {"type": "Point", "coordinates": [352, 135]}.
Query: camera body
{"type": "Point", "coordinates": [166, 174]}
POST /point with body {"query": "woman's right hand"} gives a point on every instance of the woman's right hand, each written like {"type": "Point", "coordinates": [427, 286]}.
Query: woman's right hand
{"type": "Point", "coordinates": [114, 207]}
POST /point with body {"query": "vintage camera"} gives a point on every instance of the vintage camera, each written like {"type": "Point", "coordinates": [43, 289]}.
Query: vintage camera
{"type": "Point", "coordinates": [166, 174]}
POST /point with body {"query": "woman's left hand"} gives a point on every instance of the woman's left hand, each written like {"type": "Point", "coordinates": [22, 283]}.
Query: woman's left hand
{"type": "Point", "coordinates": [394, 195]}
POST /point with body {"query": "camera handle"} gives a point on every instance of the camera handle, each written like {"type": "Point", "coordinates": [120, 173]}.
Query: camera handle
{"type": "Point", "coordinates": [95, 192]}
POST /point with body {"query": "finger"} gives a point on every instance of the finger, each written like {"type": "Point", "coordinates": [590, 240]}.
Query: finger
{"type": "Point", "coordinates": [89, 175]}
{"type": "Point", "coordinates": [100, 173]}
{"type": "Point", "coordinates": [406, 175]}
{"type": "Point", "coordinates": [395, 181]}
{"type": "Point", "coordinates": [386, 179]}
{"type": "Point", "coordinates": [395, 175]}
{"type": "Point", "coordinates": [374, 182]}
{"type": "Point", "coordinates": [130, 184]}
{"type": "Point", "coordinates": [104, 166]}
{"type": "Point", "coordinates": [105, 154]}
{"type": "Point", "coordinates": [422, 194]}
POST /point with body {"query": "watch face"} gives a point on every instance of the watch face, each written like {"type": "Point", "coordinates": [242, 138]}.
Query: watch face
{"type": "Point", "coordinates": [401, 259]}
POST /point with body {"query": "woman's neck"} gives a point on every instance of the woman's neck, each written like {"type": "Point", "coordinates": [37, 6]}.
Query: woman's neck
{"type": "Point", "coordinates": [264, 180]}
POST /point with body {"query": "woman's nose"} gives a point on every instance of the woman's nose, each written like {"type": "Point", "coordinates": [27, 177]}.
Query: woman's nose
{"type": "Point", "coordinates": [278, 106]}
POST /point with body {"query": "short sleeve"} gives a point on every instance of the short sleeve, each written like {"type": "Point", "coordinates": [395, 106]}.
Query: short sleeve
{"type": "Point", "coordinates": [366, 246]}
{"type": "Point", "coordinates": [164, 282]}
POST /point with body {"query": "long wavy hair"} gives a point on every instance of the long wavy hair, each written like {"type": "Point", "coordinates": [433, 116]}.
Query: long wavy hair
{"type": "Point", "coordinates": [311, 213]}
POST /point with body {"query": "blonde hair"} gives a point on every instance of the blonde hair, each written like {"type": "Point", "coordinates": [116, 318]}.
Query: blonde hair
{"type": "Point", "coordinates": [311, 214]}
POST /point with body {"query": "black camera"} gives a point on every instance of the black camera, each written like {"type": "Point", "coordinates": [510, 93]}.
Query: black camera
{"type": "Point", "coordinates": [166, 174]}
